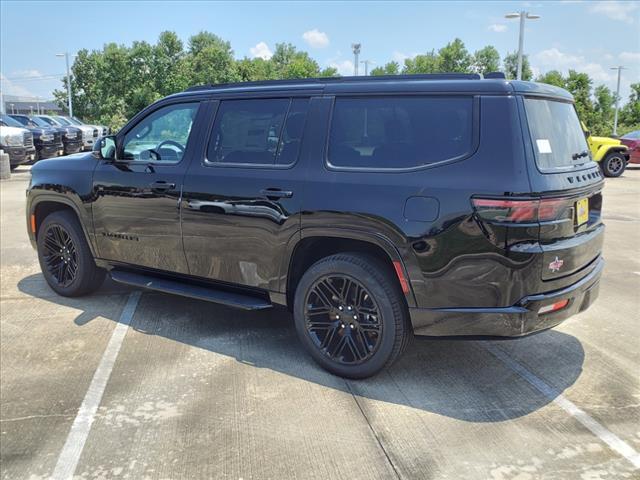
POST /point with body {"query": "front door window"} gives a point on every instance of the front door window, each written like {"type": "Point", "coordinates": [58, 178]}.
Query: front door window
{"type": "Point", "coordinates": [162, 136]}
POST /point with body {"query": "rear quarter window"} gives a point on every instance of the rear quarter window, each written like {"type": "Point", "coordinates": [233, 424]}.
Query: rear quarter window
{"type": "Point", "coordinates": [557, 136]}
{"type": "Point", "coordinates": [388, 133]}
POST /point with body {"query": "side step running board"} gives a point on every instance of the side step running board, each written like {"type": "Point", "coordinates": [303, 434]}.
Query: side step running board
{"type": "Point", "coordinates": [230, 299]}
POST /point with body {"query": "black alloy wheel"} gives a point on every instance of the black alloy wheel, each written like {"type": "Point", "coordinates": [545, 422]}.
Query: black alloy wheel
{"type": "Point", "coordinates": [65, 257]}
{"type": "Point", "coordinates": [60, 255]}
{"type": "Point", "coordinates": [351, 315]}
{"type": "Point", "coordinates": [343, 319]}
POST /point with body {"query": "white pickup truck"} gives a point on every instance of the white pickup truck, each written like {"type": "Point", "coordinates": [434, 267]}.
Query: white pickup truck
{"type": "Point", "coordinates": [18, 143]}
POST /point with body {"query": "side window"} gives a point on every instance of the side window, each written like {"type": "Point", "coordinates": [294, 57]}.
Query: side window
{"type": "Point", "coordinates": [399, 132]}
{"type": "Point", "coordinates": [161, 136]}
{"type": "Point", "coordinates": [257, 131]}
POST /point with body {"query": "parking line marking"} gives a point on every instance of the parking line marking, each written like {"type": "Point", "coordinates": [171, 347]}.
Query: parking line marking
{"type": "Point", "coordinates": [74, 445]}
{"type": "Point", "coordinates": [612, 440]}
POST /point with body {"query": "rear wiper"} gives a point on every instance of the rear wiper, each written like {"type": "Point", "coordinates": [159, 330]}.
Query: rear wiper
{"type": "Point", "coordinates": [576, 156]}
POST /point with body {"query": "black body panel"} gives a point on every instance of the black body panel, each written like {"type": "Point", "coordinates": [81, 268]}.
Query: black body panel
{"type": "Point", "coordinates": [240, 225]}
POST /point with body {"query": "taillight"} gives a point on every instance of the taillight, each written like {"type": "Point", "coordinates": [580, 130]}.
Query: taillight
{"type": "Point", "coordinates": [521, 211]}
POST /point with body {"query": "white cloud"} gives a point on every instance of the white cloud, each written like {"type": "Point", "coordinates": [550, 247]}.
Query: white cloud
{"type": "Point", "coordinates": [621, 11]}
{"type": "Point", "coordinates": [10, 88]}
{"type": "Point", "coordinates": [344, 67]}
{"type": "Point", "coordinates": [261, 50]}
{"type": "Point", "coordinates": [554, 59]}
{"type": "Point", "coordinates": [316, 38]}
{"type": "Point", "coordinates": [630, 57]}
{"type": "Point", "coordinates": [498, 27]}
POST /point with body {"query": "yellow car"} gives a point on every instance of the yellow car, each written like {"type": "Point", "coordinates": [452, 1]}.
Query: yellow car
{"type": "Point", "coordinates": [610, 153]}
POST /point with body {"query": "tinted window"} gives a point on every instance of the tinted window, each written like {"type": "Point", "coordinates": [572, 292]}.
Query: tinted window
{"type": "Point", "coordinates": [10, 122]}
{"type": "Point", "coordinates": [258, 131]}
{"type": "Point", "coordinates": [161, 136]}
{"type": "Point", "coordinates": [63, 121]}
{"type": "Point", "coordinates": [22, 120]}
{"type": "Point", "coordinates": [49, 121]}
{"type": "Point", "coordinates": [399, 132]}
{"type": "Point", "coordinates": [556, 134]}
{"type": "Point", "coordinates": [632, 135]}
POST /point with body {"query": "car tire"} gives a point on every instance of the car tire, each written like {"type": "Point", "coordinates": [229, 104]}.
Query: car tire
{"type": "Point", "coordinates": [357, 330]}
{"type": "Point", "coordinates": [65, 258]}
{"type": "Point", "coordinates": [614, 164]}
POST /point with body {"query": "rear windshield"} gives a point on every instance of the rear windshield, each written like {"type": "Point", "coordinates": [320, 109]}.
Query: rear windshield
{"type": "Point", "coordinates": [558, 139]}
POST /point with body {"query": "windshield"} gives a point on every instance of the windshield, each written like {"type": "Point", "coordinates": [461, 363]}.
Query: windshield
{"type": "Point", "coordinates": [49, 121]}
{"type": "Point", "coordinates": [40, 122]}
{"type": "Point", "coordinates": [75, 121]}
{"type": "Point", "coordinates": [558, 139]}
{"type": "Point", "coordinates": [63, 121]}
{"type": "Point", "coordinates": [10, 122]}
{"type": "Point", "coordinates": [632, 135]}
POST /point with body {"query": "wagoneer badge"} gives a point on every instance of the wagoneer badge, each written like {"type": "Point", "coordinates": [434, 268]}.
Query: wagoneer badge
{"type": "Point", "coordinates": [556, 265]}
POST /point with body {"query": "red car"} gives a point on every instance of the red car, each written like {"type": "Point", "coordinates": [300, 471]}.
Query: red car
{"type": "Point", "coordinates": [632, 140]}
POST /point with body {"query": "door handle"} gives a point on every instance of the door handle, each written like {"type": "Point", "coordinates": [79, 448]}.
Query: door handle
{"type": "Point", "coordinates": [162, 185]}
{"type": "Point", "coordinates": [275, 193]}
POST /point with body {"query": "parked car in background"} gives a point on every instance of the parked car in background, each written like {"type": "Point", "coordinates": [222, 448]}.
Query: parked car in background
{"type": "Point", "coordinates": [610, 153]}
{"type": "Point", "coordinates": [375, 208]}
{"type": "Point", "coordinates": [71, 136]}
{"type": "Point", "coordinates": [89, 134]}
{"type": "Point", "coordinates": [96, 131]}
{"type": "Point", "coordinates": [17, 142]}
{"type": "Point", "coordinates": [103, 129]}
{"type": "Point", "coordinates": [46, 140]}
{"type": "Point", "coordinates": [632, 141]}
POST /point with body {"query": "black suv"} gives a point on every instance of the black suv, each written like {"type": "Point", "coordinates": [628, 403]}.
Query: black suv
{"type": "Point", "coordinates": [373, 208]}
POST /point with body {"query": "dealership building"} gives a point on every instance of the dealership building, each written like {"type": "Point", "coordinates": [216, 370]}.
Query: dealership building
{"type": "Point", "coordinates": [29, 105]}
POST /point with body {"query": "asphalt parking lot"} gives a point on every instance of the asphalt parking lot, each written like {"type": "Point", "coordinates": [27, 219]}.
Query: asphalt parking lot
{"type": "Point", "coordinates": [127, 385]}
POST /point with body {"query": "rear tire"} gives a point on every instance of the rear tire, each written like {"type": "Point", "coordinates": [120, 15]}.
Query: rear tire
{"type": "Point", "coordinates": [614, 164]}
{"type": "Point", "coordinates": [65, 258]}
{"type": "Point", "coordinates": [351, 316]}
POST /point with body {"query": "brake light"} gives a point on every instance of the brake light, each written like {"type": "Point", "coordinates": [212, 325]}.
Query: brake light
{"type": "Point", "coordinates": [520, 211]}
{"type": "Point", "coordinates": [554, 307]}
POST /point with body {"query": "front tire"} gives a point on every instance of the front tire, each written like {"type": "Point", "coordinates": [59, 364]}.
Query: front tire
{"type": "Point", "coordinates": [614, 164]}
{"type": "Point", "coordinates": [351, 316]}
{"type": "Point", "coordinates": [65, 258]}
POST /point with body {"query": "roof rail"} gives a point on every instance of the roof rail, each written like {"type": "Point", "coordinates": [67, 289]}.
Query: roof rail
{"type": "Point", "coordinates": [323, 80]}
{"type": "Point", "coordinates": [491, 75]}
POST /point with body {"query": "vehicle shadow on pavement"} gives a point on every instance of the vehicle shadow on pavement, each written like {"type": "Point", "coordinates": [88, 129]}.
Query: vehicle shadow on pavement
{"type": "Point", "coordinates": [457, 379]}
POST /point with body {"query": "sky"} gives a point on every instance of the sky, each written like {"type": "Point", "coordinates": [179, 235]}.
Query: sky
{"type": "Point", "coordinates": [588, 36]}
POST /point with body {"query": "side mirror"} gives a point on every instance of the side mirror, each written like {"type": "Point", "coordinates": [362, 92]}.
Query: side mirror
{"type": "Point", "coordinates": [105, 148]}
{"type": "Point", "coordinates": [587, 134]}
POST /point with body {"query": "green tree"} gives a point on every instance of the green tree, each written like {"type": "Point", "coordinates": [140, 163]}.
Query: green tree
{"type": "Point", "coordinates": [630, 113]}
{"type": "Point", "coordinates": [290, 63]}
{"type": "Point", "coordinates": [602, 117]}
{"type": "Point", "coordinates": [329, 72]}
{"type": "Point", "coordinates": [511, 66]}
{"type": "Point", "coordinates": [454, 57]}
{"type": "Point", "coordinates": [552, 77]}
{"type": "Point", "coordinates": [427, 63]}
{"type": "Point", "coordinates": [579, 84]}
{"type": "Point", "coordinates": [486, 60]}
{"type": "Point", "coordinates": [391, 68]}
{"type": "Point", "coordinates": [210, 60]}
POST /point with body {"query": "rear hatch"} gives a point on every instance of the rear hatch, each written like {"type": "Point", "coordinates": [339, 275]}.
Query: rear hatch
{"type": "Point", "coordinates": [569, 185]}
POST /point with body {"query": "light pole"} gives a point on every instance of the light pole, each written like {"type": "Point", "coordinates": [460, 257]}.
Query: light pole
{"type": "Point", "coordinates": [12, 112]}
{"type": "Point", "coordinates": [356, 53]}
{"type": "Point", "coordinates": [66, 58]}
{"type": "Point", "coordinates": [615, 115]}
{"type": "Point", "coordinates": [523, 16]}
{"type": "Point", "coordinates": [366, 66]}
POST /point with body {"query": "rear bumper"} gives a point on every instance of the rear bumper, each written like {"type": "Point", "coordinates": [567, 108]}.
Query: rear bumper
{"type": "Point", "coordinates": [515, 321]}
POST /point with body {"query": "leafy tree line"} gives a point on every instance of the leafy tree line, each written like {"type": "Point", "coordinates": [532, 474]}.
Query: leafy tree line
{"type": "Point", "coordinates": [111, 85]}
